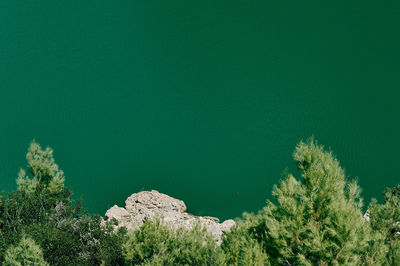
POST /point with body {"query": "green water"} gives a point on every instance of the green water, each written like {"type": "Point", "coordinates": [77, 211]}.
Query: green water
{"type": "Point", "coordinates": [202, 100]}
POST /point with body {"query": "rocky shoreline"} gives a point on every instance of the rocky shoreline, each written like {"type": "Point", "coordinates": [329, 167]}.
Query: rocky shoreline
{"type": "Point", "coordinates": [148, 205]}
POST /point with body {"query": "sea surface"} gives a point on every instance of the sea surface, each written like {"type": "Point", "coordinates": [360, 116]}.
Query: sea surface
{"type": "Point", "coordinates": [201, 100]}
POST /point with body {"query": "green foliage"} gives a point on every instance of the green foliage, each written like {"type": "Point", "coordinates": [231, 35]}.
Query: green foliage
{"type": "Point", "coordinates": [78, 241]}
{"type": "Point", "coordinates": [240, 245]}
{"type": "Point", "coordinates": [27, 252]}
{"type": "Point", "coordinates": [42, 206]}
{"type": "Point", "coordinates": [394, 191]}
{"type": "Point", "coordinates": [44, 170]}
{"type": "Point", "coordinates": [316, 221]}
{"type": "Point", "coordinates": [385, 218]}
{"type": "Point", "coordinates": [156, 244]}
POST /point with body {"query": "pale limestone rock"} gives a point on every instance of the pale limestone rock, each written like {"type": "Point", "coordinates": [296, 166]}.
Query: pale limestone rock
{"type": "Point", "coordinates": [147, 205]}
{"type": "Point", "coordinates": [226, 225]}
{"type": "Point", "coordinates": [117, 213]}
{"type": "Point", "coordinates": [366, 216]}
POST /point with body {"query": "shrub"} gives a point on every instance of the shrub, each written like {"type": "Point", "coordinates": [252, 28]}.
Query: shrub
{"type": "Point", "coordinates": [42, 205]}
{"type": "Point", "coordinates": [385, 218]}
{"type": "Point", "coordinates": [157, 244]}
{"type": "Point", "coordinates": [240, 245]}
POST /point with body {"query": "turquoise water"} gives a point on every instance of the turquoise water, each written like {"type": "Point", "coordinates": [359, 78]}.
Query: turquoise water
{"type": "Point", "coordinates": [203, 101]}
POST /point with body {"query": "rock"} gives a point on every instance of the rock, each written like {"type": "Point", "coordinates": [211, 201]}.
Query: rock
{"type": "Point", "coordinates": [366, 216]}
{"type": "Point", "coordinates": [147, 205]}
{"type": "Point", "coordinates": [226, 226]}
{"type": "Point", "coordinates": [117, 213]}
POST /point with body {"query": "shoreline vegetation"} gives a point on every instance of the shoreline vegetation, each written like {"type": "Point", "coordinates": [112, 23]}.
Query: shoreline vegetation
{"type": "Point", "coordinates": [315, 218]}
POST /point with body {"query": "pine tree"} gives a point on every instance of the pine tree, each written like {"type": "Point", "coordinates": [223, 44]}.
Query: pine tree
{"type": "Point", "coordinates": [42, 206]}
{"type": "Point", "coordinates": [41, 195]}
{"type": "Point", "coordinates": [44, 170]}
{"type": "Point", "coordinates": [319, 221]}
{"type": "Point", "coordinates": [26, 253]}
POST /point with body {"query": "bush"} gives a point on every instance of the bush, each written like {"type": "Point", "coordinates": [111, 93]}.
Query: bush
{"type": "Point", "coordinates": [157, 244]}
{"type": "Point", "coordinates": [241, 246]}
{"type": "Point", "coordinates": [79, 241]}
{"type": "Point", "coordinates": [42, 205]}
{"type": "Point", "coordinates": [385, 218]}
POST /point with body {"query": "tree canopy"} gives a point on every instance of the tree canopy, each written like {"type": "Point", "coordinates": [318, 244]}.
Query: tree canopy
{"type": "Point", "coordinates": [315, 217]}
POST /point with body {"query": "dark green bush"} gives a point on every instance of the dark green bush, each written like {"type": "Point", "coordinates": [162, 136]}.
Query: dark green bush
{"type": "Point", "coordinates": [42, 207]}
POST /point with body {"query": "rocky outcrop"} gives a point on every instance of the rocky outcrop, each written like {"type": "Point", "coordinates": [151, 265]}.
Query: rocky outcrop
{"type": "Point", "coordinates": [147, 205]}
{"type": "Point", "coordinates": [366, 216]}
